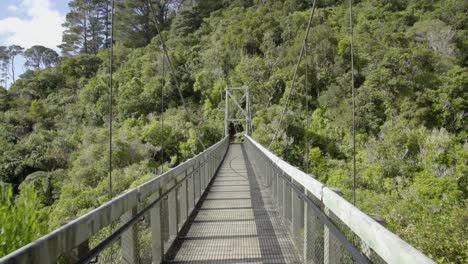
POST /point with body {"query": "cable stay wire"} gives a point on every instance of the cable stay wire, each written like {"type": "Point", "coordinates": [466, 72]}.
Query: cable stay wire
{"type": "Point", "coordinates": [351, 26]}
{"type": "Point", "coordinates": [162, 113]}
{"type": "Point", "coordinates": [174, 76]}
{"type": "Point", "coordinates": [306, 87]}
{"type": "Point", "coordinates": [291, 89]}
{"type": "Point", "coordinates": [111, 55]}
{"type": "Point", "coordinates": [111, 71]}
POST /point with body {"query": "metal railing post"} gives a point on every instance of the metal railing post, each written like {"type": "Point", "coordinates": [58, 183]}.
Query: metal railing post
{"type": "Point", "coordinates": [274, 183]}
{"type": "Point", "coordinates": [287, 205]}
{"type": "Point", "coordinates": [201, 179]}
{"type": "Point", "coordinates": [129, 239]}
{"type": "Point", "coordinates": [190, 190]}
{"type": "Point", "coordinates": [205, 174]}
{"type": "Point", "coordinates": [172, 214]}
{"type": "Point", "coordinates": [197, 181]}
{"type": "Point", "coordinates": [157, 244]}
{"type": "Point", "coordinates": [269, 176]}
{"type": "Point", "coordinates": [213, 158]}
{"type": "Point", "coordinates": [297, 217]}
{"type": "Point", "coordinates": [182, 203]}
{"type": "Point", "coordinates": [208, 175]}
{"type": "Point", "coordinates": [279, 198]}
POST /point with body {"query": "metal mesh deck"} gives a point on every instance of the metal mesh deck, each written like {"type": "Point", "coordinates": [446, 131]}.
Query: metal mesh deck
{"type": "Point", "coordinates": [235, 221]}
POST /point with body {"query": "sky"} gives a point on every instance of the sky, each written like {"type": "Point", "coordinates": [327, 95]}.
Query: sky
{"type": "Point", "coordinates": [32, 22]}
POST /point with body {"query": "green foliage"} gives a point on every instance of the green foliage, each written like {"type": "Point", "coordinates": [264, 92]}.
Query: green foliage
{"type": "Point", "coordinates": [81, 66]}
{"type": "Point", "coordinates": [36, 85]}
{"type": "Point", "coordinates": [184, 23]}
{"type": "Point", "coordinates": [86, 27]}
{"type": "Point", "coordinates": [410, 77]}
{"type": "Point", "coordinates": [39, 57]}
{"type": "Point", "coordinates": [3, 99]}
{"type": "Point", "coordinates": [22, 218]}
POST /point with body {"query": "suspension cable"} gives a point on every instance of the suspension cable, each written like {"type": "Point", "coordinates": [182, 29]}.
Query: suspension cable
{"type": "Point", "coordinates": [174, 76]}
{"type": "Point", "coordinates": [307, 109]}
{"type": "Point", "coordinates": [162, 114]}
{"type": "Point", "coordinates": [111, 71]}
{"type": "Point", "coordinates": [285, 108]}
{"type": "Point", "coordinates": [111, 55]}
{"type": "Point", "coordinates": [353, 96]}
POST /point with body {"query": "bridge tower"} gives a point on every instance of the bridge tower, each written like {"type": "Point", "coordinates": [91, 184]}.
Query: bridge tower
{"type": "Point", "coordinates": [229, 114]}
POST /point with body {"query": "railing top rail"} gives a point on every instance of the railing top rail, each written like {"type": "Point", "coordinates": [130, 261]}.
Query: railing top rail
{"type": "Point", "coordinates": [386, 244]}
{"type": "Point", "coordinates": [312, 185]}
{"type": "Point", "coordinates": [146, 189]}
{"type": "Point", "coordinates": [72, 234]}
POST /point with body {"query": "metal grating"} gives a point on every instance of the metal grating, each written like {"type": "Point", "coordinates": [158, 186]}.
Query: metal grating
{"type": "Point", "coordinates": [235, 222]}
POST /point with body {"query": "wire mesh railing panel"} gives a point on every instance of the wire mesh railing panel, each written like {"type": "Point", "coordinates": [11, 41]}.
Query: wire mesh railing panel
{"type": "Point", "coordinates": [144, 241]}
{"type": "Point", "coordinates": [129, 239]}
{"type": "Point", "coordinates": [111, 254]}
{"type": "Point", "coordinates": [287, 206]}
{"type": "Point", "coordinates": [349, 236]}
{"type": "Point", "coordinates": [297, 220]}
{"type": "Point", "coordinates": [313, 250]}
{"type": "Point", "coordinates": [335, 248]}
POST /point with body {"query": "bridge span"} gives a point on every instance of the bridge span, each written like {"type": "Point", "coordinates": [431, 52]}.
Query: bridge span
{"type": "Point", "coordinates": [236, 221]}
{"type": "Point", "coordinates": [232, 203]}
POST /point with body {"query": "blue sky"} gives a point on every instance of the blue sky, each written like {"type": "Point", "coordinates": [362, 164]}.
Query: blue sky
{"type": "Point", "coordinates": [32, 22]}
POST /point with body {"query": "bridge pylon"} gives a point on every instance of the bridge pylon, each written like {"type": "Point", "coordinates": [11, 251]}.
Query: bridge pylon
{"type": "Point", "coordinates": [229, 113]}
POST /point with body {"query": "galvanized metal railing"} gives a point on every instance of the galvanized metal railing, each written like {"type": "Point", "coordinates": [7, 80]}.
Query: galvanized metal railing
{"type": "Point", "coordinates": [326, 228]}
{"type": "Point", "coordinates": [159, 207]}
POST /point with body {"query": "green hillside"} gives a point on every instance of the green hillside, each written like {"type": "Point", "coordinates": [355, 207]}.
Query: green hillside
{"type": "Point", "coordinates": [411, 78]}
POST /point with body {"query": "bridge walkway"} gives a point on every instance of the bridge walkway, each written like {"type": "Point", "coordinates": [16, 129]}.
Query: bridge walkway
{"type": "Point", "coordinates": [235, 221]}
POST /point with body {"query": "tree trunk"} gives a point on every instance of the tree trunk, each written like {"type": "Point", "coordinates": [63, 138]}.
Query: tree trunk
{"type": "Point", "coordinates": [106, 21]}
{"type": "Point", "coordinates": [13, 68]}
{"type": "Point", "coordinates": [85, 31]}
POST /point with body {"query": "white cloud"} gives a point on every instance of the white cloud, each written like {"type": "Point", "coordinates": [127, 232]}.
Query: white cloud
{"type": "Point", "coordinates": [12, 8]}
{"type": "Point", "coordinates": [42, 25]}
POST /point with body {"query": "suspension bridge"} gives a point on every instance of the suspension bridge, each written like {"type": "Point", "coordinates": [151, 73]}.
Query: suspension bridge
{"type": "Point", "coordinates": [231, 203]}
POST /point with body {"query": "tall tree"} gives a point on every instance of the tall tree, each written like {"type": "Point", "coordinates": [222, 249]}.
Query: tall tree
{"type": "Point", "coordinates": [13, 51]}
{"type": "Point", "coordinates": [135, 26]}
{"type": "Point", "coordinates": [40, 57]}
{"type": "Point", "coordinates": [87, 26]}
{"type": "Point", "coordinates": [4, 63]}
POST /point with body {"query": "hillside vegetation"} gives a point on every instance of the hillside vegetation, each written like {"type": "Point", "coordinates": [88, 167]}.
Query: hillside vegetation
{"type": "Point", "coordinates": [411, 77]}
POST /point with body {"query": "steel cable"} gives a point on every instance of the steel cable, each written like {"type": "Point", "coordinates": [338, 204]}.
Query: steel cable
{"type": "Point", "coordinates": [111, 62]}
{"type": "Point", "coordinates": [174, 76]}
{"type": "Point", "coordinates": [285, 108]}
{"type": "Point", "coordinates": [162, 113]}
{"type": "Point", "coordinates": [353, 96]}
{"type": "Point", "coordinates": [306, 134]}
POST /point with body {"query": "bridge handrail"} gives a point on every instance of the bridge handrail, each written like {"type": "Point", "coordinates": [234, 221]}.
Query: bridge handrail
{"type": "Point", "coordinates": [50, 247]}
{"type": "Point", "coordinates": [388, 246]}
